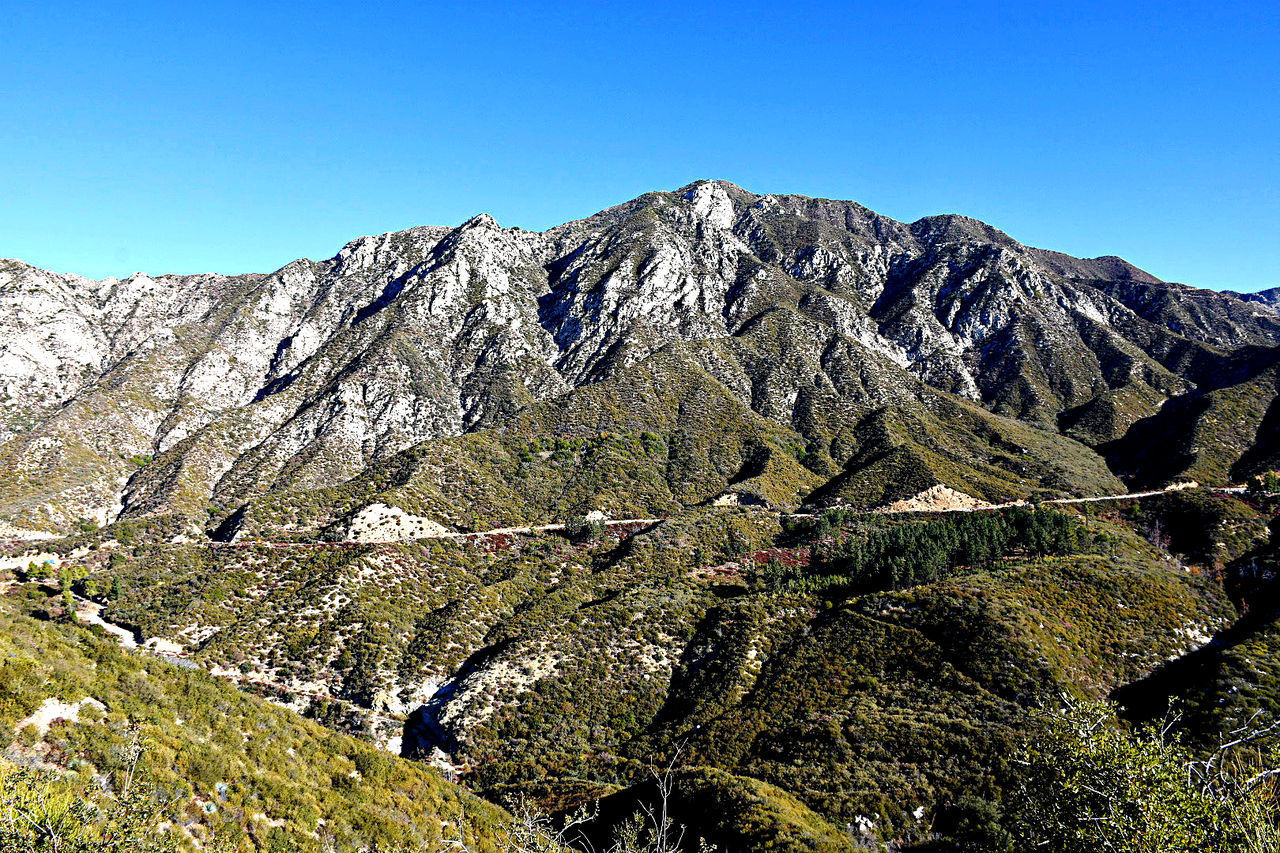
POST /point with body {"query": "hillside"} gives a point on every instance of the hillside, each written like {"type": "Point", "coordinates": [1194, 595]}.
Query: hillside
{"type": "Point", "coordinates": [757, 647]}
{"type": "Point", "coordinates": [224, 765]}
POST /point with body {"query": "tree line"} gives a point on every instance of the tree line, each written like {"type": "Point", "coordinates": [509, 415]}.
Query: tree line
{"type": "Point", "coordinates": [914, 553]}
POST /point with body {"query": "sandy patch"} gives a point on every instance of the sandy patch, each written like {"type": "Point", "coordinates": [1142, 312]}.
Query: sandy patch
{"type": "Point", "coordinates": [938, 498]}
{"type": "Point", "coordinates": [55, 709]}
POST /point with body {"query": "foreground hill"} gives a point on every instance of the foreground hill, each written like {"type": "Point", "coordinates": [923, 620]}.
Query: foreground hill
{"type": "Point", "coordinates": [830, 681]}
{"type": "Point", "coordinates": [778, 347]}
{"type": "Point", "coordinates": [220, 763]}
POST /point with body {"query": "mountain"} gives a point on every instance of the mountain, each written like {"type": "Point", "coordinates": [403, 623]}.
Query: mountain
{"type": "Point", "coordinates": [1269, 296]}
{"type": "Point", "coordinates": [669, 486]}
{"type": "Point", "coordinates": [781, 349]}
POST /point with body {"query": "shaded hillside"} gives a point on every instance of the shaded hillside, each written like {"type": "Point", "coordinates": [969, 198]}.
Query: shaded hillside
{"type": "Point", "coordinates": [1226, 430]}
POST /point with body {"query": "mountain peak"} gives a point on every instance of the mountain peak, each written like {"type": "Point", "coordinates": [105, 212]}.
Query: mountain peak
{"type": "Point", "coordinates": [953, 227]}
{"type": "Point", "coordinates": [712, 201]}
{"type": "Point", "coordinates": [727, 186]}
{"type": "Point", "coordinates": [481, 220]}
{"type": "Point", "coordinates": [1105, 267]}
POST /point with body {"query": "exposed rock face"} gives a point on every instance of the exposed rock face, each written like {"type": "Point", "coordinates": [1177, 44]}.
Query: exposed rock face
{"type": "Point", "coordinates": [937, 498]}
{"type": "Point", "coordinates": [382, 523]}
{"type": "Point", "coordinates": [194, 394]}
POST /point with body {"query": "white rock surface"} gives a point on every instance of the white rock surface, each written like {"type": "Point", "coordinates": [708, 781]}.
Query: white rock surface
{"type": "Point", "coordinates": [55, 709]}
{"type": "Point", "coordinates": [382, 523]}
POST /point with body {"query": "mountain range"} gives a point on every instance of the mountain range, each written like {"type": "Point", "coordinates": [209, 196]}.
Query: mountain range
{"type": "Point", "coordinates": [785, 350]}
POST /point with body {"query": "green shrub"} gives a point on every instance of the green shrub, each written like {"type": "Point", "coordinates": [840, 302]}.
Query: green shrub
{"type": "Point", "coordinates": [1092, 786]}
{"type": "Point", "coordinates": [580, 529]}
{"type": "Point", "coordinates": [39, 811]}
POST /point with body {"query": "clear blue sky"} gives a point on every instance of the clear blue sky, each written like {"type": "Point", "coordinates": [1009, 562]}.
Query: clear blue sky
{"type": "Point", "coordinates": [176, 137]}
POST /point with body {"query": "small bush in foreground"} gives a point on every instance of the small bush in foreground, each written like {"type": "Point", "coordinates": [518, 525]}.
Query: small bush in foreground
{"type": "Point", "coordinates": [41, 812]}
{"type": "Point", "coordinates": [1093, 786]}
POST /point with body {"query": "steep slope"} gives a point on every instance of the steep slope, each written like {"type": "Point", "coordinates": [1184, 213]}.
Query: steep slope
{"type": "Point", "coordinates": [1226, 429]}
{"type": "Point", "coordinates": [666, 435]}
{"type": "Point", "coordinates": [221, 762]}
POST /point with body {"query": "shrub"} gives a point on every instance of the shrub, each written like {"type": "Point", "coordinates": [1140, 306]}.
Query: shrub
{"type": "Point", "coordinates": [581, 529]}
{"type": "Point", "coordinates": [40, 812]}
{"type": "Point", "coordinates": [1093, 786]}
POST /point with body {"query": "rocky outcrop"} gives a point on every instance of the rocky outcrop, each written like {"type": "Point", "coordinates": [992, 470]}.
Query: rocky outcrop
{"type": "Point", "coordinates": [937, 498]}
{"type": "Point", "coordinates": [382, 523]}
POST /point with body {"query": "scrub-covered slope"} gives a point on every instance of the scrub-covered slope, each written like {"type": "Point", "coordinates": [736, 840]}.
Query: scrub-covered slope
{"type": "Point", "coordinates": [220, 763]}
{"type": "Point", "coordinates": [845, 677]}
